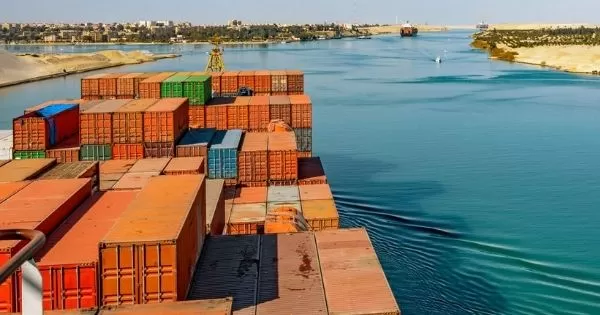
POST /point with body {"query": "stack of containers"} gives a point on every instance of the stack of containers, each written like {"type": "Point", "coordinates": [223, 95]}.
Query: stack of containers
{"type": "Point", "coordinates": [107, 86]}
{"type": "Point", "coordinates": [248, 211]}
{"type": "Point", "coordinates": [283, 158]}
{"type": "Point", "coordinates": [215, 207]}
{"type": "Point", "coordinates": [258, 113]}
{"type": "Point", "coordinates": [216, 83]}
{"type": "Point", "coordinates": [280, 109]}
{"type": "Point", "coordinates": [128, 129]}
{"type": "Point", "coordinates": [126, 86]}
{"type": "Point", "coordinates": [254, 160]}
{"type": "Point", "coordinates": [284, 210]}
{"type": "Point", "coordinates": [318, 207]}
{"type": "Point", "coordinates": [37, 131]}
{"type": "Point", "coordinates": [196, 142]}
{"type": "Point", "coordinates": [164, 124]}
{"type": "Point", "coordinates": [295, 82]}
{"type": "Point", "coordinates": [173, 86]}
{"type": "Point", "coordinates": [310, 171]}
{"type": "Point", "coordinates": [96, 130]}
{"type": "Point", "coordinates": [279, 83]}
{"type": "Point", "coordinates": [197, 88]}
{"type": "Point", "coordinates": [90, 89]}
{"type": "Point", "coordinates": [301, 107]}
{"type": "Point", "coordinates": [155, 243]}
{"type": "Point", "coordinates": [65, 152]}
{"type": "Point", "coordinates": [229, 84]}
{"type": "Point", "coordinates": [223, 155]}
{"type": "Point", "coordinates": [26, 210]}
{"type": "Point", "coordinates": [216, 112]}
{"type": "Point", "coordinates": [140, 173]}
{"type": "Point", "coordinates": [6, 145]}
{"type": "Point", "coordinates": [247, 79]}
{"type": "Point", "coordinates": [112, 171]}
{"type": "Point", "coordinates": [237, 113]}
{"type": "Point", "coordinates": [262, 83]}
{"type": "Point", "coordinates": [151, 87]}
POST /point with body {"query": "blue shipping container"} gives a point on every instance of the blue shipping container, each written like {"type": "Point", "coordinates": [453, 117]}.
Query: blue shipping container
{"type": "Point", "coordinates": [223, 154]}
{"type": "Point", "coordinates": [48, 114]}
{"type": "Point", "coordinates": [198, 136]}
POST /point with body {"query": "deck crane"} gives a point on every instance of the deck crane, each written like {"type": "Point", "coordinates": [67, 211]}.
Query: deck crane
{"type": "Point", "coordinates": [215, 58]}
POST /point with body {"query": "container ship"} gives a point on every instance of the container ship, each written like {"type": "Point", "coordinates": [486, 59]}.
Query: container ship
{"type": "Point", "coordinates": [482, 26]}
{"type": "Point", "coordinates": [167, 193]}
{"type": "Point", "coordinates": [408, 30]}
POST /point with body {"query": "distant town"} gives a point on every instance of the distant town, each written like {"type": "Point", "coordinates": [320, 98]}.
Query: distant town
{"type": "Point", "coordinates": [170, 32]}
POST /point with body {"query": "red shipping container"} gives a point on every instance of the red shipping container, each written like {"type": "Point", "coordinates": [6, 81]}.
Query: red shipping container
{"type": "Point", "coordinates": [295, 81]}
{"type": "Point", "coordinates": [121, 151]}
{"type": "Point", "coordinates": [216, 112]}
{"type": "Point", "coordinates": [166, 120]}
{"type": "Point", "coordinates": [126, 84]}
{"type": "Point", "coordinates": [283, 156]}
{"type": "Point", "coordinates": [33, 132]}
{"type": "Point", "coordinates": [107, 85]}
{"type": "Point", "coordinates": [230, 82]}
{"type": "Point", "coordinates": [66, 152]}
{"type": "Point", "coordinates": [90, 85]}
{"type": "Point", "coordinates": [69, 276]}
{"type": "Point", "coordinates": [216, 82]}
{"type": "Point", "coordinates": [150, 87]}
{"type": "Point", "coordinates": [253, 158]}
{"type": "Point", "coordinates": [280, 108]}
{"type": "Point", "coordinates": [258, 113]}
{"type": "Point", "coordinates": [197, 116]}
{"type": "Point", "coordinates": [96, 122]}
{"type": "Point", "coordinates": [128, 121]}
{"type": "Point", "coordinates": [27, 210]}
{"type": "Point", "coordinates": [262, 82]}
{"type": "Point", "coordinates": [247, 79]}
{"type": "Point", "coordinates": [237, 113]}
{"type": "Point", "coordinates": [301, 111]}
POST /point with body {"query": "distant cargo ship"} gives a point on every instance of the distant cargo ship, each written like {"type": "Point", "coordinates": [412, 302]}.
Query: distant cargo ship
{"type": "Point", "coordinates": [408, 30]}
{"type": "Point", "coordinates": [482, 26]}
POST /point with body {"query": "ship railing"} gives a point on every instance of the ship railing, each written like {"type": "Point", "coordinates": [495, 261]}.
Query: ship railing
{"type": "Point", "coordinates": [31, 280]}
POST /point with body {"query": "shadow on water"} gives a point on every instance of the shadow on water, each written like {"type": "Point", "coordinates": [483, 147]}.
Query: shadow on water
{"type": "Point", "coordinates": [419, 250]}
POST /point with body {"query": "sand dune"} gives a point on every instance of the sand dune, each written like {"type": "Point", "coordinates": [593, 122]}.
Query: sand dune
{"type": "Point", "coordinates": [579, 59]}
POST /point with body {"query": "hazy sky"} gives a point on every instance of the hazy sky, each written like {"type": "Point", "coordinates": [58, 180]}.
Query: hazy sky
{"type": "Point", "coordinates": [368, 11]}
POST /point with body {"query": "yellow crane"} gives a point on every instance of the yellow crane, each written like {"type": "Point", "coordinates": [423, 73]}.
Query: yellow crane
{"type": "Point", "coordinates": [215, 58]}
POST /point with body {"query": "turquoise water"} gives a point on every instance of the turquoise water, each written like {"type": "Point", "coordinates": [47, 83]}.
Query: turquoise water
{"type": "Point", "coordinates": [477, 180]}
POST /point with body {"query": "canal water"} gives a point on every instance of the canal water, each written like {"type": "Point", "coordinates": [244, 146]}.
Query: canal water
{"type": "Point", "coordinates": [477, 180]}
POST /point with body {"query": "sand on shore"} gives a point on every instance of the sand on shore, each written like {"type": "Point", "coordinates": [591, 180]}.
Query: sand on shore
{"type": "Point", "coordinates": [17, 68]}
{"type": "Point", "coordinates": [572, 58]}
{"type": "Point", "coordinates": [537, 26]}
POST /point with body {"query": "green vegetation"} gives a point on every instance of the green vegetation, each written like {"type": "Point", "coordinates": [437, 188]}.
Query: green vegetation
{"type": "Point", "coordinates": [542, 37]}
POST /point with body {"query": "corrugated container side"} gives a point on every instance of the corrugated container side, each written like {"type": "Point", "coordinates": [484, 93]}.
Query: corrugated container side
{"type": "Point", "coordinates": [236, 275]}
{"type": "Point", "coordinates": [159, 149]}
{"type": "Point", "coordinates": [278, 81]}
{"type": "Point", "coordinates": [198, 88]}
{"type": "Point", "coordinates": [262, 82]}
{"type": "Point", "coordinates": [128, 121]}
{"type": "Point", "coordinates": [301, 111]}
{"type": "Point", "coordinates": [96, 122]}
{"type": "Point", "coordinates": [195, 142]}
{"type": "Point", "coordinates": [20, 170]}
{"type": "Point", "coordinates": [304, 139]}
{"type": "Point", "coordinates": [295, 81]}
{"type": "Point", "coordinates": [247, 79]}
{"type": "Point", "coordinates": [185, 166]}
{"type": "Point", "coordinates": [22, 155]}
{"type": "Point", "coordinates": [230, 82]}
{"type": "Point", "coordinates": [280, 109]}
{"type": "Point", "coordinates": [253, 158]}
{"type": "Point", "coordinates": [216, 116]}
{"type": "Point", "coordinates": [107, 85]}
{"type": "Point", "coordinates": [197, 116]}
{"type": "Point", "coordinates": [290, 277]}
{"type": "Point", "coordinates": [155, 244]}
{"type": "Point", "coordinates": [283, 156]}
{"type": "Point", "coordinates": [65, 152]}
{"type": "Point", "coordinates": [173, 86]}
{"type": "Point", "coordinates": [126, 84]}
{"type": "Point", "coordinates": [237, 113]}
{"type": "Point", "coordinates": [353, 279]}
{"type": "Point", "coordinates": [321, 214]}
{"type": "Point", "coordinates": [246, 219]}
{"type": "Point", "coordinates": [223, 154]}
{"type": "Point", "coordinates": [304, 154]}
{"type": "Point", "coordinates": [166, 120]}
{"type": "Point", "coordinates": [203, 307]}
{"type": "Point", "coordinates": [216, 82]}
{"type": "Point", "coordinates": [96, 152]}
{"type": "Point", "coordinates": [215, 206]}
{"type": "Point", "coordinates": [127, 151]}
{"type": "Point", "coordinates": [89, 85]}
{"type": "Point", "coordinates": [310, 171]}
{"type": "Point", "coordinates": [150, 87]}
{"type": "Point", "coordinates": [46, 127]}
{"type": "Point", "coordinates": [258, 113]}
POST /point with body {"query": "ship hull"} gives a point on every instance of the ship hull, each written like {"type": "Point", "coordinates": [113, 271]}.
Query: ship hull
{"type": "Point", "coordinates": [409, 32]}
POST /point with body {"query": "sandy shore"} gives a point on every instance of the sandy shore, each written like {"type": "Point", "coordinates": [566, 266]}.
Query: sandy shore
{"type": "Point", "coordinates": [537, 26]}
{"type": "Point", "coordinates": [16, 69]}
{"type": "Point", "coordinates": [577, 59]}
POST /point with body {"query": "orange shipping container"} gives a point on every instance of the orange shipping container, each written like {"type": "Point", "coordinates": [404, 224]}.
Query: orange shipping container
{"type": "Point", "coordinates": [247, 79]}
{"type": "Point", "coordinates": [278, 81]}
{"type": "Point", "coordinates": [315, 192]}
{"type": "Point", "coordinates": [128, 121]}
{"type": "Point", "coordinates": [159, 149]}
{"type": "Point", "coordinates": [216, 82]}
{"type": "Point", "coordinates": [166, 120]}
{"type": "Point", "coordinates": [248, 218]}
{"type": "Point", "coordinates": [353, 279]}
{"type": "Point", "coordinates": [251, 195]}
{"type": "Point", "coordinates": [65, 152]}
{"type": "Point", "coordinates": [127, 151]}
{"type": "Point", "coordinates": [283, 156]}
{"type": "Point", "coordinates": [90, 85]}
{"type": "Point", "coordinates": [262, 81]}
{"type": "Point", "coordinates": [150, 87]}
{"type": "Point", "coordinates": [27, 210]}
{"type": "Point", "coordinates": [229, 82]}
{"type": "Point", "coordinates": [295, 81]}
{"type": "Point", "coordinates": [215, 206]}
{"type": "Point", "coordinates": [310, 171]}
{"type": "Point", "coordinates": [258, 113]}
{"type": "Point", "coordinates": [185, 166]}
{"type": "Point", "coordinates": [107, 85]}
{"type": "Point", "coordinates": [126, 84]}
{"type": "Point", "coordinates": [201, 307]}
{"type": "Point", "coordinates": [108, 181]}
{"type": "Point", "coordinates": [116, 166]}
{"type": "Point", "coordinates": [156, 242]}
{"type": "Point", "coordinates": [280, 108]}
{"type": "Point", "coordinates": [131, 181]}
{"type": "Point", "coordinates": [96, 122]}
{"type": "Point", "coordinates": [149, 165]}
{"type": "Point", "coordinates": [216, 115]}
{"type": "Point", "coordinates": [69, 276]}
{"type": "Point", "coordinates": [304, 154]}
{"type": "Point", "coordinates": [197, 116]}
{"type": "Point", "coordinates": [237, 113]}
{"type": "Point", "coordinates": [253, 159]}
{"type": "Point", "coordinates": [320, 214]}
{"type": "Point", "coordinates": [301, 111]}
{"type": "Point", "coordinates": [20, 170]}
{"type": "Point", "coordinates": [9, 189]}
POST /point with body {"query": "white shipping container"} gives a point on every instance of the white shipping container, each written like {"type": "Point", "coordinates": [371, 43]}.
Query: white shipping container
{"type": "Point", "coordinates": [6, 148]}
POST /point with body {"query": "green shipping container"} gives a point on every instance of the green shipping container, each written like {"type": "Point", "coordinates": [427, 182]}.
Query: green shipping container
{"type": "Point", "coordinates": [22, 155]}
{"type": "Point", "coordinates": [198, 89]}
{"type": "Point", "coordinates": [173, 86]}
{"type": "Point", "coordinates": [96, 152]}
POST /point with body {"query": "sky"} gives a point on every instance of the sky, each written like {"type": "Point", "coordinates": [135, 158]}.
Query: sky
{"type": "Point", "coordinates": [445, 12]}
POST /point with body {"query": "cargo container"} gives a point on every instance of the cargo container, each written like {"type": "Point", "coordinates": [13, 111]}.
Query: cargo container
{"type": "Point", "coordinates": [301, 111]}
{"type": "Point", "coordinates": [290, 279]}
{"type": "Point", "coordinates": [280, 109]}
{"type": "Point", "coordinates": [197, 116]}
{"type": "Point", "coordinates": [88, 169]}
{"type": "Point", "coordinates": [353, 279]}
{"type": "Point", "coordinates": [250, 195]}
{"type": "Point", "coordinates": [90, 85]}
{"type": "Point", "coordinates": [229, 82]}
{"type": "Point", "coordinates": [66, 151]}
{"type": "Point", "coordinates": [203, 307]}
{"type": "Point", "coordinates": [69, 276]}
{"type": "Point", "coordinates": [315, 192]}
{"type": "Point", "coordinates": [149, 165]}
{"type": "Point", "coordinates": [133, 181]}
{"type": "Point", "coordinates": [150, 87]}
{"type": "Point", "coordinates": [283, 193]}
{"type": "Point", "coordinates": [23, 155]}
{"type": "Point", "coordinates": [304, 154]}
{"type": "Point", "coordinates": [166, 120]}
{"type": "Point", "coordinates": [295, 81]}
{"type": "Point", "coordinates": [164, 229]}
{"type": "Point", "coordinates": [107, 85]}
{"type": "Point", "coordinates": [46, 127]}
{"type": "Point", "coordinates": [173, 86]}
{"type": "Point", "coordinates": [284, 206]}
{"type": "Point", "coordinates": [127, 151]}
{"type": "Point", "coordinates": [262, 81]}
{"type": "Point", "coordinates": [223, 154]}
{"type": "Point", "coordinates": [159, 149]}
{"type": "Point", "coordinates": [11, 188]}
{"type": "Point", "coordinates": [128, 121]}
{"type": "Point", "coordinates": [96, 122]}
{"type": "Point", "coordinates": [236, 274]}
{"type": "Point", "coordinates": [116, 166]}
{"type": "Point", "coordinates": [198, 88]}
{"type": "Point", "coordinates": [320, 214]}
{"type": "Point", "coordinates": [303, 139]}
{"type": "Point", "coordinates": [217, 112]}
{"type": "Point", "coordinates": [96, 152]}
{"type": "Point", "coordinates": [195, 142]}
{"type": "Point", "coordinates": [237, 113]}
{"type": "Point", "coordinates": [285, 218]}
{"type": "Point", "coordinates": [185, 166]}
{"type": "Point", "coordinates": [247, 79]}
{"type": "Point", "coordinates": [310, 171]}
{"type": "Point", "coordinates": [79, 102]}
{"type": "Point", "coordinates": [215, 206]}
{"type": "Point", "coordinates": [108, 181]}
{"type": "Point", "coordinates": [278, 81]}
{"type": "Point", "coordinates": [20, 170]}
{"type": "Point", "coordinates": [6, 147]}
{"type": "Point", "coordinates": [247, 218]}
{"type": "Point", "coordinates": [216, 83]}
{"type": "Point", "coordinates": [253, 158]}
{"type": "Point", "coordinates": [26, 210]}
{"type": "Point", "coordinates": [283, 156]}
{"type": "Point", "coordinates": [258, 113]}
{"type": "Point", "coordinates": [126, 85]}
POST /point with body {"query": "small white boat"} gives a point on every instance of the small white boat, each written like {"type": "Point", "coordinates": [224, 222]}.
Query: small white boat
{"type": "Point", "coordinates": [438, 59]}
